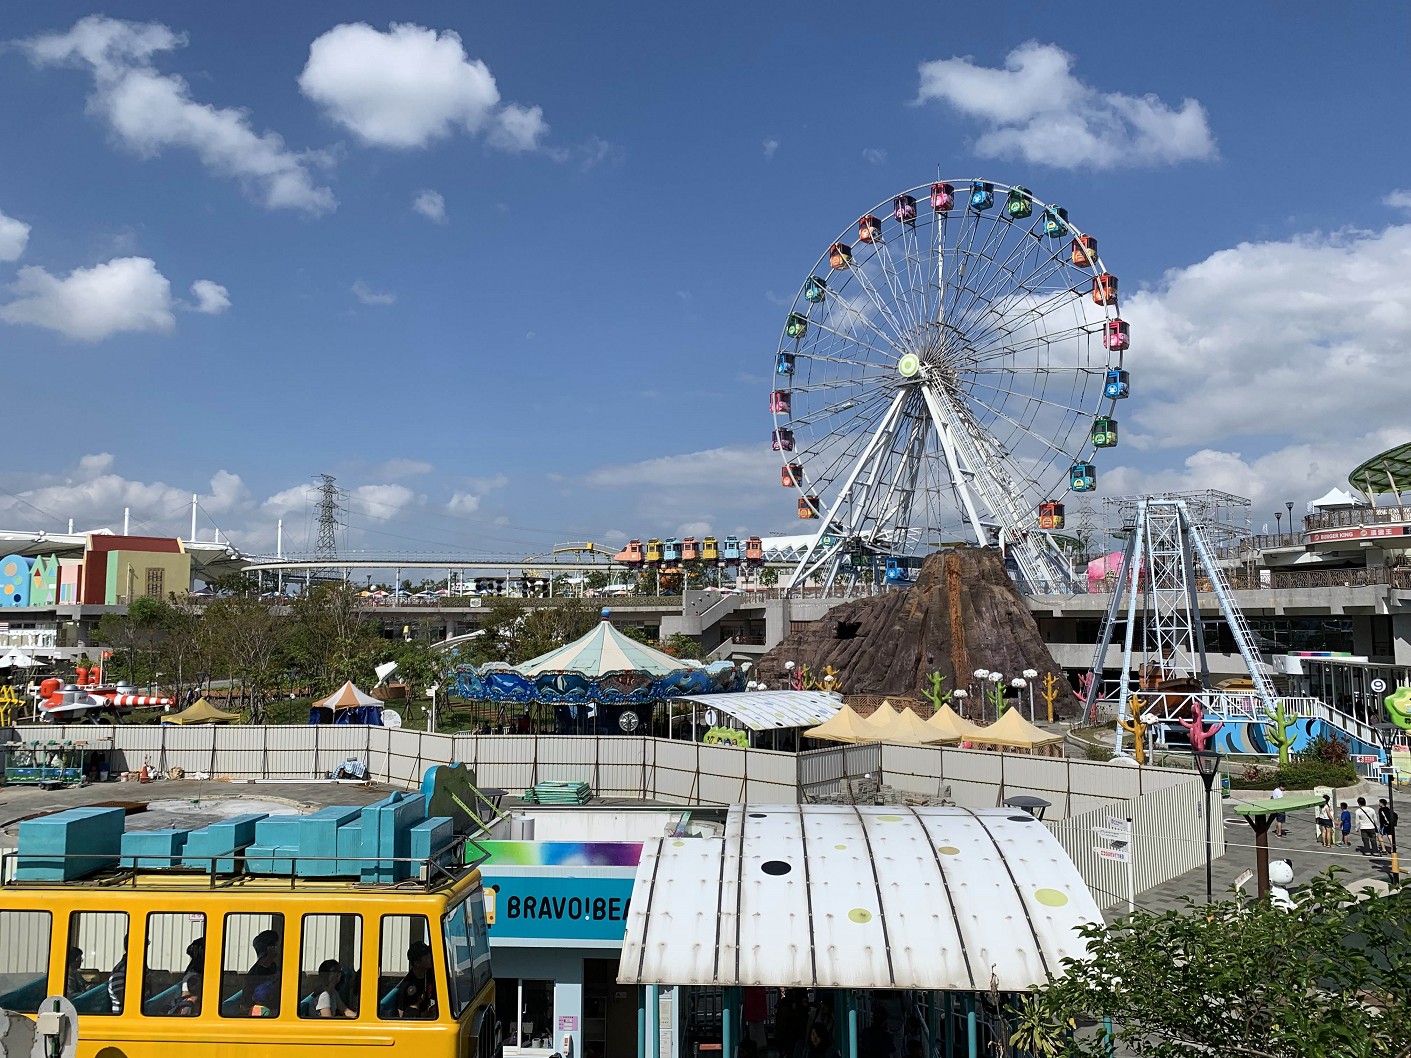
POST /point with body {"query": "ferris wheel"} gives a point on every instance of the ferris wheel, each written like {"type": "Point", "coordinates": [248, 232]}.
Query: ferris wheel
{"type": "Point", "coordinates": [950, 366]}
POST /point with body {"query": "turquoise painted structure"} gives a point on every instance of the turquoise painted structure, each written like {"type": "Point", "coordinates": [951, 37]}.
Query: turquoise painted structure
{"type": "Point", "coordinates": [1241, 734]}
{"type": "Point", "coordinates": [386, 842]}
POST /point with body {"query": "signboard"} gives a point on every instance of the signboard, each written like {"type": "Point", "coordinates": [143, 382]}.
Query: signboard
{"type": "Point", "coordinates": [1379, 685]}
{"type": "Point", "coordinates": [1121, 836]}
{"type": "Point", "coordinates": [1119, 855]}
{"type": "Point", "coordinates": [568, 1023]}
{"type": "Point", "coordinates": [1366, 532]}
{"type": "Point", "coordinates": [1367, 758]}
{"type": "Point", "coordinates": [1118, 823]}
{"type": "Point", "coordinates": [558, 908]}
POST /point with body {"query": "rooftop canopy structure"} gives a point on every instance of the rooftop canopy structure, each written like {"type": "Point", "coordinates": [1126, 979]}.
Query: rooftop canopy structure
{"type": "Point", "coordinates": [201, 712]}
{"type": "Point", "coordinates": [858, 897]}
{"type": "Point", "coordinates": [1387, 473]}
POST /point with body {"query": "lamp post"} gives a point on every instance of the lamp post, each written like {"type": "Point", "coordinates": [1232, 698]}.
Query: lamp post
{"type": "Point", "coordinates": [1207, 762]}
{"type": "Point", "coordinates": [1288, 506]}
{"type": "Point", "coordinates": [1030, 675]}
{"type": "Point", "coordinates": [960, 697]}
{"type": "Point", "coordinates": [1387, 734]}
{"type": "Point", "coordinates": [1278, 524]}
{"type": "Point", "coordinates": [1019, 683]}
{"type": "Point", "coordinates": [981, 675]}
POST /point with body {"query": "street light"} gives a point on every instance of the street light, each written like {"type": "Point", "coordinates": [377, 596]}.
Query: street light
{"type": "Point", "coordinates": [960, 696]}
{"type": "Point", "coordinates": [1278, 524]}
{"type": "Point", "coordinates": [1288, 505]}
{"type": "Point", "coordinates": [1031, 675]}
{"type": "Point", "coordinates": [1387, 733]}
{"type": "Point", "coordinates": [1207, 762]}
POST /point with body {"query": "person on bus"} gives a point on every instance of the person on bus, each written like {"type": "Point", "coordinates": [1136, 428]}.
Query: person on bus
{"type": "Point", "coordinates": [329, 1003]}
{"type": "Point", "coordinates": [117, 981]}
{"type": "Point", "coordinates": [188, 990]}
{"type": "Point", "coordinates": [416, 994]}
{"type": "Point", "coordinates": [263, 973]}
{"type": "Point", "coordinates": [73, 982]}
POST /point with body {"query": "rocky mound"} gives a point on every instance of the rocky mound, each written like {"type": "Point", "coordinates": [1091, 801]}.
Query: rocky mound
{"type": "Point", "coordinates": [962, 614]}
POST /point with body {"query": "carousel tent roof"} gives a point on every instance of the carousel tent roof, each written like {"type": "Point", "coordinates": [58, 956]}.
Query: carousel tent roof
{"type": "Point", "coordinates": [909, 729]}
{"type": "Point", "coordinates": [346, 697]}
{"type": "Point", "coordinates": [1012, 729]}
{"type": "Point", "coordinates": [953, 724]}
{"type": "Point", "coordinates": [201, 712]}
{"type": "Point", "coordinates": [601, 651]}
{"type": "Point", "coordinates": [767, 710]}
{"type": "Point", "coordinates": [845, 726]}
{"type": "Point", "coordinates": [858, 896]}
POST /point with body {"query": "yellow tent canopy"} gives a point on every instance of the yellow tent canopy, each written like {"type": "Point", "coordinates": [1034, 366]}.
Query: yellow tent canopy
{"type": "Point", "coordinates": [844, 726]}
{"type": "Point", "coordinates": [882, 717]}
{"type": "Point", "coordinates": [201, 712]}
{"type": "Point", "coordinates": [1012, 729]}
{"type": "Point", "coordinates": [910, 729]}
{"type": "Point", "coordinates": [953, 725]}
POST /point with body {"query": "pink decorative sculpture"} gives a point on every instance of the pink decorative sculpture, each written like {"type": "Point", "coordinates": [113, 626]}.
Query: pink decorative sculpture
{"type": "Point", "coordinates": [1085, 681]}
{"type": "Point", "coordinates": [1200, 734]}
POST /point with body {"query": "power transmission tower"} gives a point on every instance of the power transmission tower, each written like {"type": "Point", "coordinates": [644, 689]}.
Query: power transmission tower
{"type": "Point", "coordinates": [329, 506]}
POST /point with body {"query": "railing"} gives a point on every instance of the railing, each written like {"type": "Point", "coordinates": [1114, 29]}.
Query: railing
{"type": "Point", "coordinates": [1356, 516]}
{"type": "Point", "coordinates": [1177, 706]}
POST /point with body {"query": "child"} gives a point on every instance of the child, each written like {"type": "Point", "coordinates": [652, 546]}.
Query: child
{"type": "Point", "coordinates": [330, 1003]}
{"type": "Point", "coordinates": [1345, 823]}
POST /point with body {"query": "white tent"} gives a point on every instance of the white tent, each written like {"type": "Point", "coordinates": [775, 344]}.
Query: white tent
{"type": "Point", "coordinates": [1337, 500]}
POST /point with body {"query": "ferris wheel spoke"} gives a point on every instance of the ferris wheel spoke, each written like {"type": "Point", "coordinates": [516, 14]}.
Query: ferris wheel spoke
{"type": "Point", "coordinates": [858, 407]}
{"type": "Point", "coordinates": [1006, 344]}
{"type": "Point", "coordinates": [882, 253]}
{"type": "Point", "coordinates": [994, 274]}
{"type": "Point", "coordinates": [1042, 440]}
{"type": "Point", "coordinates": [1015, 291]}
{"type": "Point", "coordinates": [967, 260]}
{"type": "Point", "coordinates": [918, 284]}
{"type": "Point", "coordinates": [879, 303]}
{"type": "Point", "coordinates": [857, 318]}
{"type": "Point", "coordinates": [1030, 317]}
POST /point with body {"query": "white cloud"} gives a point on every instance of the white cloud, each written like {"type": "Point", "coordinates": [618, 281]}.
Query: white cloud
{"type": "Point", "coordinates": [1036, 110]}
{"type": "Point", "coordinates": [724, 468]}
{"type": "Point", "coordinates": [90, 304]}
{"type": "Point", "coordinates": [490, 484]}
{"type": "Point", "coordinates": [1398, 199]}
{"type": "Point", "coordinates": [1303, 337]}
{"type": "Point", "coordinates": [14, 237]}
{"type": "Point", "coordinates": [410, 86]}
{"type": "Point", "coordinates": [368, 296]}
{"type": "Point", "coordinates": [92, 465]}
{"type": "Point", "coordinates": [381, 502]}
{"type": "Point", "coordinates": [211, 298]}
{"type": "Point", "coordinates": [431, 205]}
{"type": "Point", "coordinates": [149, 112]}
{"type": "Point", "coordinates": [770, 146]}
{"type": "Point", "coordinates": [874, 156]}
{"type": "Point", "coordinates": [463, 503]}
{"type": "Point", "coordinates": [696, 528]}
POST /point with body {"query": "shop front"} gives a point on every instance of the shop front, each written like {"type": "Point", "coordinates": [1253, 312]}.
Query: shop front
{"type": "Point", "coordinates": [559, 915]}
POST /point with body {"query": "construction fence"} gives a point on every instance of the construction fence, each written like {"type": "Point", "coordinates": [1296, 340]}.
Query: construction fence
{"type": "Point", "coordinates": [1166, 805]}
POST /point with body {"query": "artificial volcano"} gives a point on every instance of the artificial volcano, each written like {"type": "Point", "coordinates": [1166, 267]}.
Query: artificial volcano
{"type": "Point", "coordinates": [963, 613]}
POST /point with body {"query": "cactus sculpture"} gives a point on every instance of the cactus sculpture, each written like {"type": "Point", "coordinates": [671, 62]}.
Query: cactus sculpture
{"type": "Point", "coordinates": [934, 694]}
{"type": "Point", "coordinates": [832, 679]}
{"type": "Point", "coordinates": [1280, 730]}
{"type": "Point", "coordinates": [996, 696]}
{"type": "Point", "coordinates": [1050, 693]}
{"type": "Point", "coordinates": [800, 679]}
{"type": "Point", "coordinates": [1137, 726]}
{"type": "Point", "coordinates": [1200, 733]}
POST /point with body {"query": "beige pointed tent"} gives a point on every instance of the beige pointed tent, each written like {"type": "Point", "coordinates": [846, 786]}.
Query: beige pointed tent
{"type": "Point", "coordinates": [954, 725]}
{"type": "Point", "coordinates": [845, 726]}
{"type": "Point", "coordinates": [909, 729]}
{"type": "Point", "coordinates": [201, 712]}
{"type": "Point", "coordinates": [346, 697]}
{"type": "Point", "coordinates": [1012, 729]}
{"type": "Point", "coordinates": [883, 717]}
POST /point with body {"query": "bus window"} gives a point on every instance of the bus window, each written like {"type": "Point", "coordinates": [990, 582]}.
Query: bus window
{"type": "Point", "coordinates": [330, 965]}
{"type": "Point", "coordinates": [251, 966]}
{"type": "Point", "coordinates": [176, 964]}
{"type": "Point", "coordinates": [98, 984]}
{"type": "Point", "coordinates": [24, 959]}
{"type": "Point", "coordinates": [406, 981]}
{"type": "Point", "coordinates": [467, 952]}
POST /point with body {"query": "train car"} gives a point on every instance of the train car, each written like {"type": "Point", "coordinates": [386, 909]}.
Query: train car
{"type": "Point", "coordinates": [653, 550]}
{"type": "Point", "coordinates": [710, 549]}
{"type": "Point", "coordinates": [901, 569]}
{"type": "Point", "coordinates": [754, 551]}
{"type": "Point", "coordinates": [690, 549]}
{"type": "Point", "coordinates": [671, 551]}
{"type": "Point", "coordinates": [631, 555]}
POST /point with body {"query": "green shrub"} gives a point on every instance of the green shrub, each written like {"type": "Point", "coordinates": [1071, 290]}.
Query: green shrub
{"type": "Point", "coordinates": [1326, 750]}
{"type": "Point", "coordinates": [1304, 774]}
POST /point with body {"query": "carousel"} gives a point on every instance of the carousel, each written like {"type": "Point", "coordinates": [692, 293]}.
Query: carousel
{"type": "Point", "coordinates": [601, 684]}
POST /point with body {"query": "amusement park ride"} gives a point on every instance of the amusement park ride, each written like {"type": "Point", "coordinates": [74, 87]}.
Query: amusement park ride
{"type": "Point", "coordinates": [667, 555]}
{"type": "Point", "coordinates": [955, 361]}
{"type": "Point", "coordinates": [87, 699]}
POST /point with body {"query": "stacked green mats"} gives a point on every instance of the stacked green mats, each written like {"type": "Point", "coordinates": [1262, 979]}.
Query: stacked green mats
{"type": "Point", "coordinates": [559, 793]}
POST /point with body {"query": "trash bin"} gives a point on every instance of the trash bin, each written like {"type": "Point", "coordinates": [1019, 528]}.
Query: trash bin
{"type": "Point", "coordinates": [1224, 786]}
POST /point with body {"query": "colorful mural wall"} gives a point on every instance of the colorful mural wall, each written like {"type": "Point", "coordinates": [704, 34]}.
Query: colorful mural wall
{"type": "Point", "coordinates": [37, 581]}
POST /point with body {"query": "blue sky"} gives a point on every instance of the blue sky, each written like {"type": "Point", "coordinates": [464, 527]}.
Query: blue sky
{"type": "Point", "coordinates": [517, 279]}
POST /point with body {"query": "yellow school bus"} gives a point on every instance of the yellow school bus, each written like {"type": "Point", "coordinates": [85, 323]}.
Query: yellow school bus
{"type": "Point", "coordinates": [178, 963]}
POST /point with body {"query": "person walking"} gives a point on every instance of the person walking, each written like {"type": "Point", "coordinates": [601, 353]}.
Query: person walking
{"type": "Point", "coordinates": [1366, 827]}
{"type": "Point", "coordinates": [1280, 818]}
{"type": "Point", "coordinates": [1386, 825]}
{"type": "Point", "coordinates": [1345, 824]}
{"type": "Point", "coordinates": [1324, 818]}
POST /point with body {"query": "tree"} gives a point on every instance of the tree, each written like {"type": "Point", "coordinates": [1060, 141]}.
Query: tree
{"type": "Point", "coordinates": [680, 645]}
{"type": "Point", "coordinates": [1240, 979]}
{"type": "Point", "coordinates": [769, 576]}
{"type": "Point", "coordinates": [253, 640]}
{"type": "Point", "coordinates": [332, 639]}
{"type": "Point", "coordinates": [134, 637]}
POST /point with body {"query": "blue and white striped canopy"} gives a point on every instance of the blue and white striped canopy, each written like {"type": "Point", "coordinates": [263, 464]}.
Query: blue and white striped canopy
{"type": "Point", "coordinates": [604, 650]}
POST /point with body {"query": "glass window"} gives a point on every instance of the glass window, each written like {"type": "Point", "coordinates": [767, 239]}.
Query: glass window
{"type": "Point", "coordinates": [526, 1011]}
{"type": "Point", "coordinates": [330, 965]}
{"type": "Point", "coordinates": [175, 965]}
{"type": "Point", "coordinates": [467, 952]}
{"type": "Point", "coordinates": [95, 974]}
{"type": "Point", "coordinates": [252, 965]}
{"type": "Point", "coordinates": [406, 978]}
{"type": "Point", "coordinates": [24, 959]}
